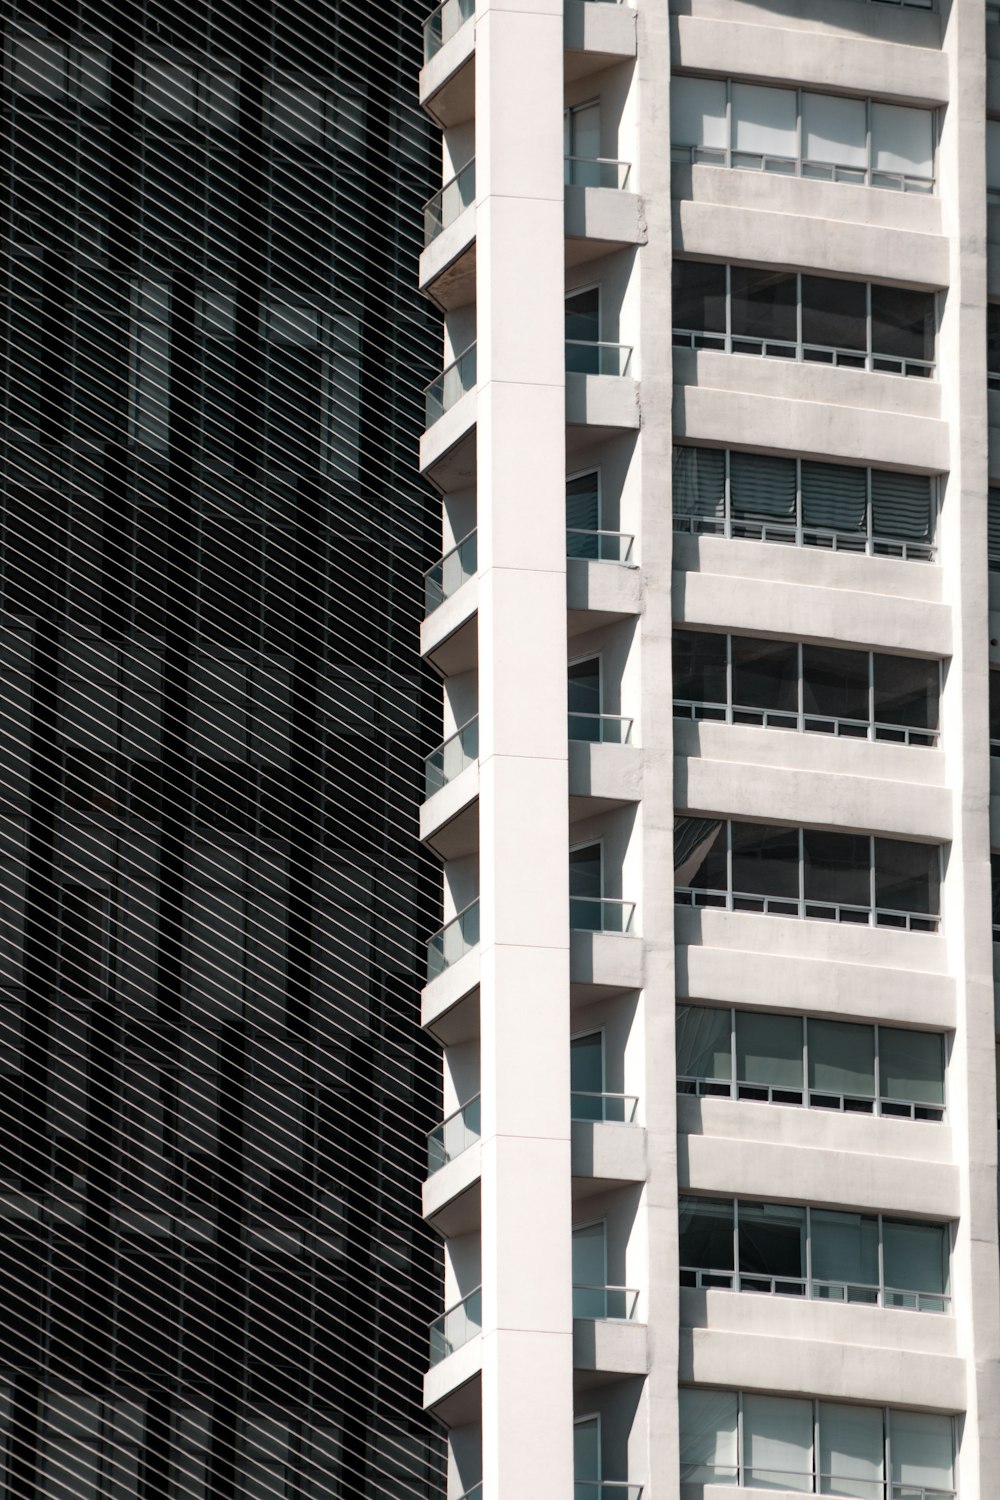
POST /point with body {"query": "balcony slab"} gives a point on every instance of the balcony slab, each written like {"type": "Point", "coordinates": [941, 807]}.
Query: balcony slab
{"type": "Point", "coordinates": [601, 220]}
{"type": "Point", "coordinates": [451, 1197]}
{"type": "Point", "coordinates": [453, 1388]}
{"type": "Point", "coordinates": [596, 37]}
{"type": "Point", "coordinates": [606, 402]}
{"type": "Point", "coordinates": [605, 962]}
{"type": "Point", "coordinates": [448, 989]}
{"type": "Point", "coordinates": [608, 1348]}
{"type": "Point", "coordinates": [449, 821]}
{"type": "Point", "coordinates": [448, 265]}
{"type": "Point", "coordinates": [448, 448]}
{"type": "Point", "coordinates": [910, 1143]}
{"type": "Point", "coordinates": [600, 593]}
{"type": "Point", "coordinates": [449, 637]}
{"type": "Point", "coordinates": [447, 84]}
{"type": "Point", "coordinates": [602, 777]}
{"type": "Point", "coordinates": [604, 1152]}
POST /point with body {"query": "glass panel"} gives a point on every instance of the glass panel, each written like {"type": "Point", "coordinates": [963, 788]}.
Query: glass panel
{"type": "Point", "coordinates": [703, 1042]}
{"type": "Point", "coordinates": [923, 1450]}
{"type": "Point", "coordinates": [851, 1451]}
{"type": "Point", "coordinates": [995, 706]}
{"type": "Point", "coordinates": [699, 296]}
{"type": "Point", "coordinates": [700, 853]}
{"type": "Point", "coordinates": [844, 1247]}
{"type": "Point", "coordinates": [764, 121]}
{"type": "Point", "coordinates": [765, 674]}
{"type": "Point", "coordinates": [834, 497]}
{"type": "Point", "coordinates": [993, 337]}
{"type": "Point", "coordinates": [902, 140]}
{"type": "Point", "coordinates": [769, 1049]}
{"type": "Point", "coordinates": [706, 1233]}
{"type": "Point", "coordinates": [590, 1255]}
{"type": "Point", "coordinates": [585, 871]}
{"type": "Point", "coordinates": [699, 666]}
{"type": "Point", "coordinates": [915, 1256]}
{"type": "Point", "coordinates": [586, 1064]}
{"type": "Point", "coordinates": [841, 1057]}
{"type": "Point", "coordinates": [583, 316]}
{"type": "Point", "coordinates": [763, 488]}
{"type": "Point", "coordinates": [834, 313]}
{"type": "Point", "coordinates": [583, 504]}
{"type": "Point", "coordinates": [834, 130]}
{"type": "Point", "coordinates": [587, 1448]}
{"type": "Point", "coordinates": [584, 691]}
{"type": "Point", "coordinates": [907, 876]}
{"type": "Point", "coordinates": [993, 153]}
{"type": "Point", "coordinates": [906, 691]}
{"type": "Point", "coordinates": [699, 478]}
{"type": "Point", "coordinates": [765, 860]}
{"type": "Point", "coordinates": [911, 1065]}
{"type": "Point", "coordinates": [708, 1429]}
{"type": "Point", "coordinates": [777, 1443]}
{"type": "Point", "coordinates": [902, 323]}
{"type": "Point", "coordinates": [763, 303]}
{"type": "Point", "coordinates": [837, 867]}
{"type": "Point", "coordinates": [585, 135]}
{"type": "Point", "coordinates": [902, 506]}
{"type": "Point", "coordinates": [835, 683]}
{"type": "Point", "coordinates": [698, 112]}
{"type": "Point", "coordinates": [772, 1239]}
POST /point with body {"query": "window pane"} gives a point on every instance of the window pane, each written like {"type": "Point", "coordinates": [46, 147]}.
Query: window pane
{"type": "Point", "coordinates": [902, 323]}
{"type": "Point", "coordinates": [769, 1049]}
{"type": "Point", "coordinates": [777, 1443]}
{"type": "Point", "coordinates": [585, 871]}
{"type": "Point", "coordinates": [706, 1234]}
{"type": "Point", "coordinates": [590, 1255]}
{"type": "Point", "coordinates": [911, 1065]}
{"type": "Point", "coordinates": [993, 337]}
{"type": "Point", "coordinates": [586, 1063]}
{"type": "Point", "coordinates": [700, 853]}
{"type": "Point", "coordinates": [915, 1256]}
{"type": "Point", "coordinates": [907, 876]}
{"type": "Point", "coordinates": [699, 296]}
{"type": "Point", "coordinates": [765, 674]}
{"type": "Point", "coordinates": [699, 480]}
{"type": "Point", "coordinates": [708, 1437]}
{"type": "Point", "coordinates": [993, 153]}
{"type": "Point", "coordinates": [584, 688]}
{"type": "Point", "coordinates": [583, 315]}
{"type": "Point", "coordinates": [834, 130]}
{"type": "Point", "coordinates": [835, 682]}
{"type": "Point", "coordinates": [844, 1248]}
{"type": "Point", "coordinates": [698, 112]}
{"type": "Point", "coordinates": [923, 1450]}
{"type": "Point", "coordinates": [995, 706]}
{"type": "Point", "coordinates": [834, 313]}
{"type": "Point", "coordinates": [763, 488]}
{"type": "Point", "coordinates": [587, 1448]}
{"type": "Point", "coordinates": [583, 502]}
{"type": "Point", "coordinates": [764, 121]}
{"type": "Point", "coordinates": [902, 140]}
{"type": "Point", "coordinates": [851, 1451]}
{"type": "Point", "coordinates": [772, 1239]}
{"type": "Point", "coordinates": [699, 666]}
{"type": "Point", "coordinates": [703, 1042]}
{"type": "Point", "coordinates": [763, 303]}
{"type": "Point", "coordinates": [906, 691]}
{"type": "Point", "coordinates": [841, 1058]}
{"type": "Point", "coordinates": [834, 497]}
{"type": "Point", "coordinates": [585, 131]}
{"type": "Point", "coordinates": [765, 860]}
{"type": "Point", "coordinates": [902, 506]}
{"type": "Point", "coordinates": [837, 867]}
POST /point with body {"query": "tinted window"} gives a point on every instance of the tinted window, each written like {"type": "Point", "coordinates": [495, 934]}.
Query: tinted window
{"type": "Point", "coordinates": [763, 303]}
{"type": "Point", "coordinates": [834, 313]}
{"type": "Point", "coordinates": [835, 683]}
{"type": "Point", "coordinates": [765, 860]}
{"type": "Point", "coordinates": [699, 296]}
{"type": "Point", "coordinates": [765, 674]}
{"type": "Point", "coordinates": [902, 323]}
{"type": "Point", "coordinates": [837, 867]}
{"type": "Point", "coordinates": [699, 666]}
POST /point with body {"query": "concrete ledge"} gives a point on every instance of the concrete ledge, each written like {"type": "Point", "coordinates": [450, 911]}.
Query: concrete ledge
{"type": "Point", "coordinates": [451, 1198]}
{"type": "Point", "coordinates": [447, 989]}
{"type": "Point", "coordinates": [611, 217]}
{"type": "Point", "coordinates": [608, 1152]}
{"type": "Point", "coordinates": [614, 1348]}
{"type": "Point", "coordinates": [824, 1130]}
{"type": "Point", "coordinates": [603, 589]}
{"type": "Point", "coordinates": [608, 31]}
{"type": "Point", "coordinates": [608, 774]}
{"type": "Point", "coordinates": [915, 767]}
{"type": "Point", "coordinates": [453, 1388]}
{"type": "Point", "coordinates": [438, 631]}
{"type": "Point", "coordinates": [439, 814]}
{"type": "Point", "coordinates": [448, 265]}
{"type": "Point", "coordinates": [599, 401]}
{"type": "Point", "coordinates": [446, 85]}
{"type": "Point", "coordinates": [612, 961]}
{"type": "Point", "coordinates": [447, 431]}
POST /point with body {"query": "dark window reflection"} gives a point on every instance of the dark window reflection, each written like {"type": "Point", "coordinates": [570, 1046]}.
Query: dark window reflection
{"type": "Point", "coordinates": [836, 867]}
{"type": "Point", "coordinates": [765, 675]}
{"type": "Point", "coordinates": [907, 876]}
{"type": "Point", "coordinates": [834, 313]}
{"type": "Point", "coordinates": [765, 860]}
{"type": "Point", "coordinates": [763, 303]}
{"type": "Point", "coordinates": [699, 296]}
{"type": "Point", "coordinates": [902, 323]}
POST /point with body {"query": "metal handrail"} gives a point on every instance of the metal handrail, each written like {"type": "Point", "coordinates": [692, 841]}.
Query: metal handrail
{"type": "Point", "coordinates": [444, 1143]}
{"type": "Point", "coordinates": [799, 350]}
{"type": "Point", "coordinates": [804, 723]}
{"type": "Point", "coordinates": [452, 941]}
{"type": "Point", "coordinates": [776, 1093]}
{"type": "Point", "coordinates": [623, 539]}
{"type": "Point", "coordinates": [607, 172]}
{"type": "Point", "coordinates": [603, 353]}
{"type": "Point", "coordinates": [801, 166]}
{"type": "Point", "coordinates": [609, 914]}
{"type": "Point", "coordinates": [455, 380]}
{"type": "Point", "coordinates": [441, 767]}
{"type": "Point", "coordinates": [625, 1297]}
{"type": "Point", "coordinates": [615, 1109]}
{"type": "Point", "coordinates": [442, 580]}
{"type": "Point", "coordinates": [609, 729]}
{"type": "Point", "coordinates": [801, 906]}
{"type": "Point", "coordinates": [807, 536]}
{"type": "Point", "coordinates": [815, 1289]}
{"type": "Point", "coordinates": [443, 22]}
{"type": "Point", "coordinates": [450, 201]}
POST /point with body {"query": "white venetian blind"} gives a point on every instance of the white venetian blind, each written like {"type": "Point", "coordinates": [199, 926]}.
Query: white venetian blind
{"type": "Point", "coordinates": [777, 1443]}
{"type": "Point", "coordinates": [851, 1451]}
{"type": "Point", "coordinates": [834, 130]}
{"type": "Point", "coordinates": [922, 1448]}
{"type": "Point", "coordinates": [902, 140]}
{"type": "Point", "coordinates": [698, 112]}
{"type": "Point", "coordinates": [764, 121]}
{"type": "Point", "coordinates": [708, 1437]}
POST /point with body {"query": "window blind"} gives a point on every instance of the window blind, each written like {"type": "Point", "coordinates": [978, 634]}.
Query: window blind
{"type": "Point", "coordinates": [698, 112]}
{"type": "Point", "coordinates": [834, 497]}
{"type": "Point", "coordinates": [762, 487]}
{"type": "Point", "coordinates": [901, 506]}
{"type": "Point", "coordinates": [699, 482]}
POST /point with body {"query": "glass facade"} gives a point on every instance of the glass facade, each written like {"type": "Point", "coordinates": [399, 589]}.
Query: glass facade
{"type": "Point", "coordinates": [213, 1273]}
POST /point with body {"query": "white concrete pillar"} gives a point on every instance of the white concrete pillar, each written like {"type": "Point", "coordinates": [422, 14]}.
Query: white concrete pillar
{"type": "Point", "coordinates": [526, 1185]}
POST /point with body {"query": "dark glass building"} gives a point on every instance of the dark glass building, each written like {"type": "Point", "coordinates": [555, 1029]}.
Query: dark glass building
{"type": "Point", "coordinates": [214, 1281]}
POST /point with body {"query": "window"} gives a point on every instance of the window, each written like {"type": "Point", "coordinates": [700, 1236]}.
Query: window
{"type": "Point", "coordinates": [284, 1456]}
{"type": "Point", "coordinates": [993, 161]}
{"type": "Point", "coordinates": [582, 146]}
{"type": "Point", "coordinates": [90, 1446]}
{"type": "Point", "coordinates": [585, 699]}
{"type": "Point", "coordinates": [811, 1061]}
{"type": "Point", "coordinates": [995, 712]}
{"type": "Point", "coordinates": [590, 1271]}
{"type": "Point", "coordinates": [823, 1254]}
{"type": "Point", "coordinates": [176, 91]}
{"type": "Point", "coordinates": [236, 932]}
{"type": "Point", "coordinates": [802, 134]}
{"type": "Point", "coordinates": [787, 315]}
{"type": "Point", "coordinates": [815, 689]}
{"type": "Point", "coordinates": [44, 69]}
{"type": "Point", "coordinates": [814, 1447]}
{"type": "Point", "coordinates": [584, 536]}
{"type": "Point", "coordinates": [764, 497]}
{"type": "Point", "coordinates": [993, 345]}
{"type": "Point", "coordinates": [807, 872]}
{"type": "Point", "coordinates": [995, 875]}
{"type": "Point", "coordinates": [993, 529]}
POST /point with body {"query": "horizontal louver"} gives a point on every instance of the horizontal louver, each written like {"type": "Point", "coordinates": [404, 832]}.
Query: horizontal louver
{"type": "Point", "coordinates": [762, 487]}
{"type": "Point", "coordinates": [834, 497]}
{"type": "Point", "coordinates": [994, 524]}
{"type": "Point", "coordinates": [901, 506]}
{"type": "Point", "coordinates": [699, 482]}
{"type": "Point", "coordinates": [583, 504]}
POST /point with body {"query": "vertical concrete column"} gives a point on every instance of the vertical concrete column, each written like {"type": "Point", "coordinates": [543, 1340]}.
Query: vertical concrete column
{"type": "Point", "coordinates": [965, 739]}
{"type": "Point", "coordinates": [524, 897]}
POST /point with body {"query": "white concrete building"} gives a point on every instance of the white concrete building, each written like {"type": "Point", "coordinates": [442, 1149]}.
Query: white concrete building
{"type": "Point", "coordinates": [714, 439]}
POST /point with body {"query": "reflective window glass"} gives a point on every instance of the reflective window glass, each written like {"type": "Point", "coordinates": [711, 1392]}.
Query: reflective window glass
{"type": "Point", "coordinates": [902, 323]}
{"type": "Point", "coordinates": [907, 876]}
{"type": "Point", "coordinates": [844, 1251]}
{"type": "Point", "coordinates": [834, 313]}
{"type": "Point", "coordinates": [995, 707]}
{"type": "Point", "coordinates": [834, 130]}
{"type": "Point", "coordinates": [700, 853]}
{"type": "Point", "coordinates": [765, 674]}
{"type": "Point", "coordinates": [769, 1049]}
{"type": "Point", "coordinates": [698, 112]}
{"type": "Point", "coordinates": [706, 1233]}
{"type": "Point", "coordinates": [699, 666]}
{"type": "Point", "coordinates": [703, 1042]}
{"type": "Point", "coordinates": [585, 871]}
{"type": "Point", "coordinates": [772, 1239]}
{"type": "Point", "coordinates": [777, 1443]}
{"type": "Point", "coordinates": [584, 692]}
{"type": "Point", "coordinates": [837, 867]}
{"type": "Point", "coordinates": [915, 1256]}
{"type": "Point", "coordinates": [906, 691]}
{"type": "Point", "coordinates": [765, 860]}
{"type": "Point", "coordinates": [699, 296]}
{"type": "Point", "coordinates": [842, 1058]}
{"type": "Point", "coordinates": [911, 1065]}
{"type": "Point", "coordinates": [923, 1451]}
{"type": "Point", "coordinates": [583, 316]}
{"type": "Point", "coordinates": [763, 487]}
{"type": "Point", "coordinates": [699, 480]}
{"type": "Point", "coordinates": [851, 1451]}
{"type": "Point", "coordinates": [835, 683]}
{"type": "Point", "coordinates": [763, 303]}
{"type": "Point", "coordinates": [765, 121]}
{"type": "Point", "coordinates": [708, 1437]}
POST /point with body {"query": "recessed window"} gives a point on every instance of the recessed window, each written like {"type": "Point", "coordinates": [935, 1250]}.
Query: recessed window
{"type": "Point", "coordinates": [801, 134]}
{"type": "Point", "coordinates": [807, 872]}
{"type": "Point", "coordinates": [787, 315]}
{"type": "Point", "coordinates": [767, 498]}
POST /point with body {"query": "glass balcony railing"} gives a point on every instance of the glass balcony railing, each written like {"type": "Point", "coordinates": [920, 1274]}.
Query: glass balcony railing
{"type": "Point", "coordinates": [600, 729]}
{"type": "Point", "coordinates": [585, 358]}
{"type": "Point", "coordinates": [447, 576]}
{"type": "Point", "coordinates": [617, 1302]}
{"type": "Point", "coordinates": [596, 172]}
{"type": "Point", "coordinates": [452, 941]}
{"type": "Point", "coordinates": [442, 24]}
{"type": "Point", "coordinates": [450, 386]}
{"type": "Point", "coordinates": [611, 1109]}
{"type": "Point", "coordinates": [599, 546]}
{"type": "Point", "coordinates": [453, 199]}
{"type": "Point", "coordinates": [600, 914]}
{"type": "Point", "coordinates": [606, 1489]}
{"type": "Point", "coordinates": [456, 1327]}
{"type": "Point", "coordinates": [451, 759]}
{"type": "Point", "coordinates": [453, 1136]}
{"type": "Point", "coordinates": [476, 1493]}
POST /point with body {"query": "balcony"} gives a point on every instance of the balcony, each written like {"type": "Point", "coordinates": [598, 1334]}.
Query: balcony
{"type": "Point", "coordinates": [448, 261]}
{"type": "Point", "coordinates": [600, 729]}
{"type": "Point", "coordinates": [444, 23]}
{"type": "Point", "coordinates": [453, 1136]}
{"type": "Point", "coordinates": [448, 575]}
{"type": "Point", "coordinates": [814, 1290]}
{"type": "Point", "coordinates": [451, 758]}
{"type": "Point", "coordinates": [606, 1489]}
{"type": "Point", "coordinates": [597, 172]}
{"type": "Point", "coordinates": [453, 941]}
{"type": "Point", "coordinates": [617, 1303]}
{"type": "Point", "coordinates": [456, 1327]}
{"type": "Point", "coordinates": [600, 546]}
{"type": "Point", "coordinates": [584, 357]}
{"type": "Point", "coordinates": [448, 388]}
{"type": "Point", "coordinates": [600, 914]}
{"type": "Point", "coordinates": [446, 206]}
{"type": "Point", "coordinates": [613, 1109]}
